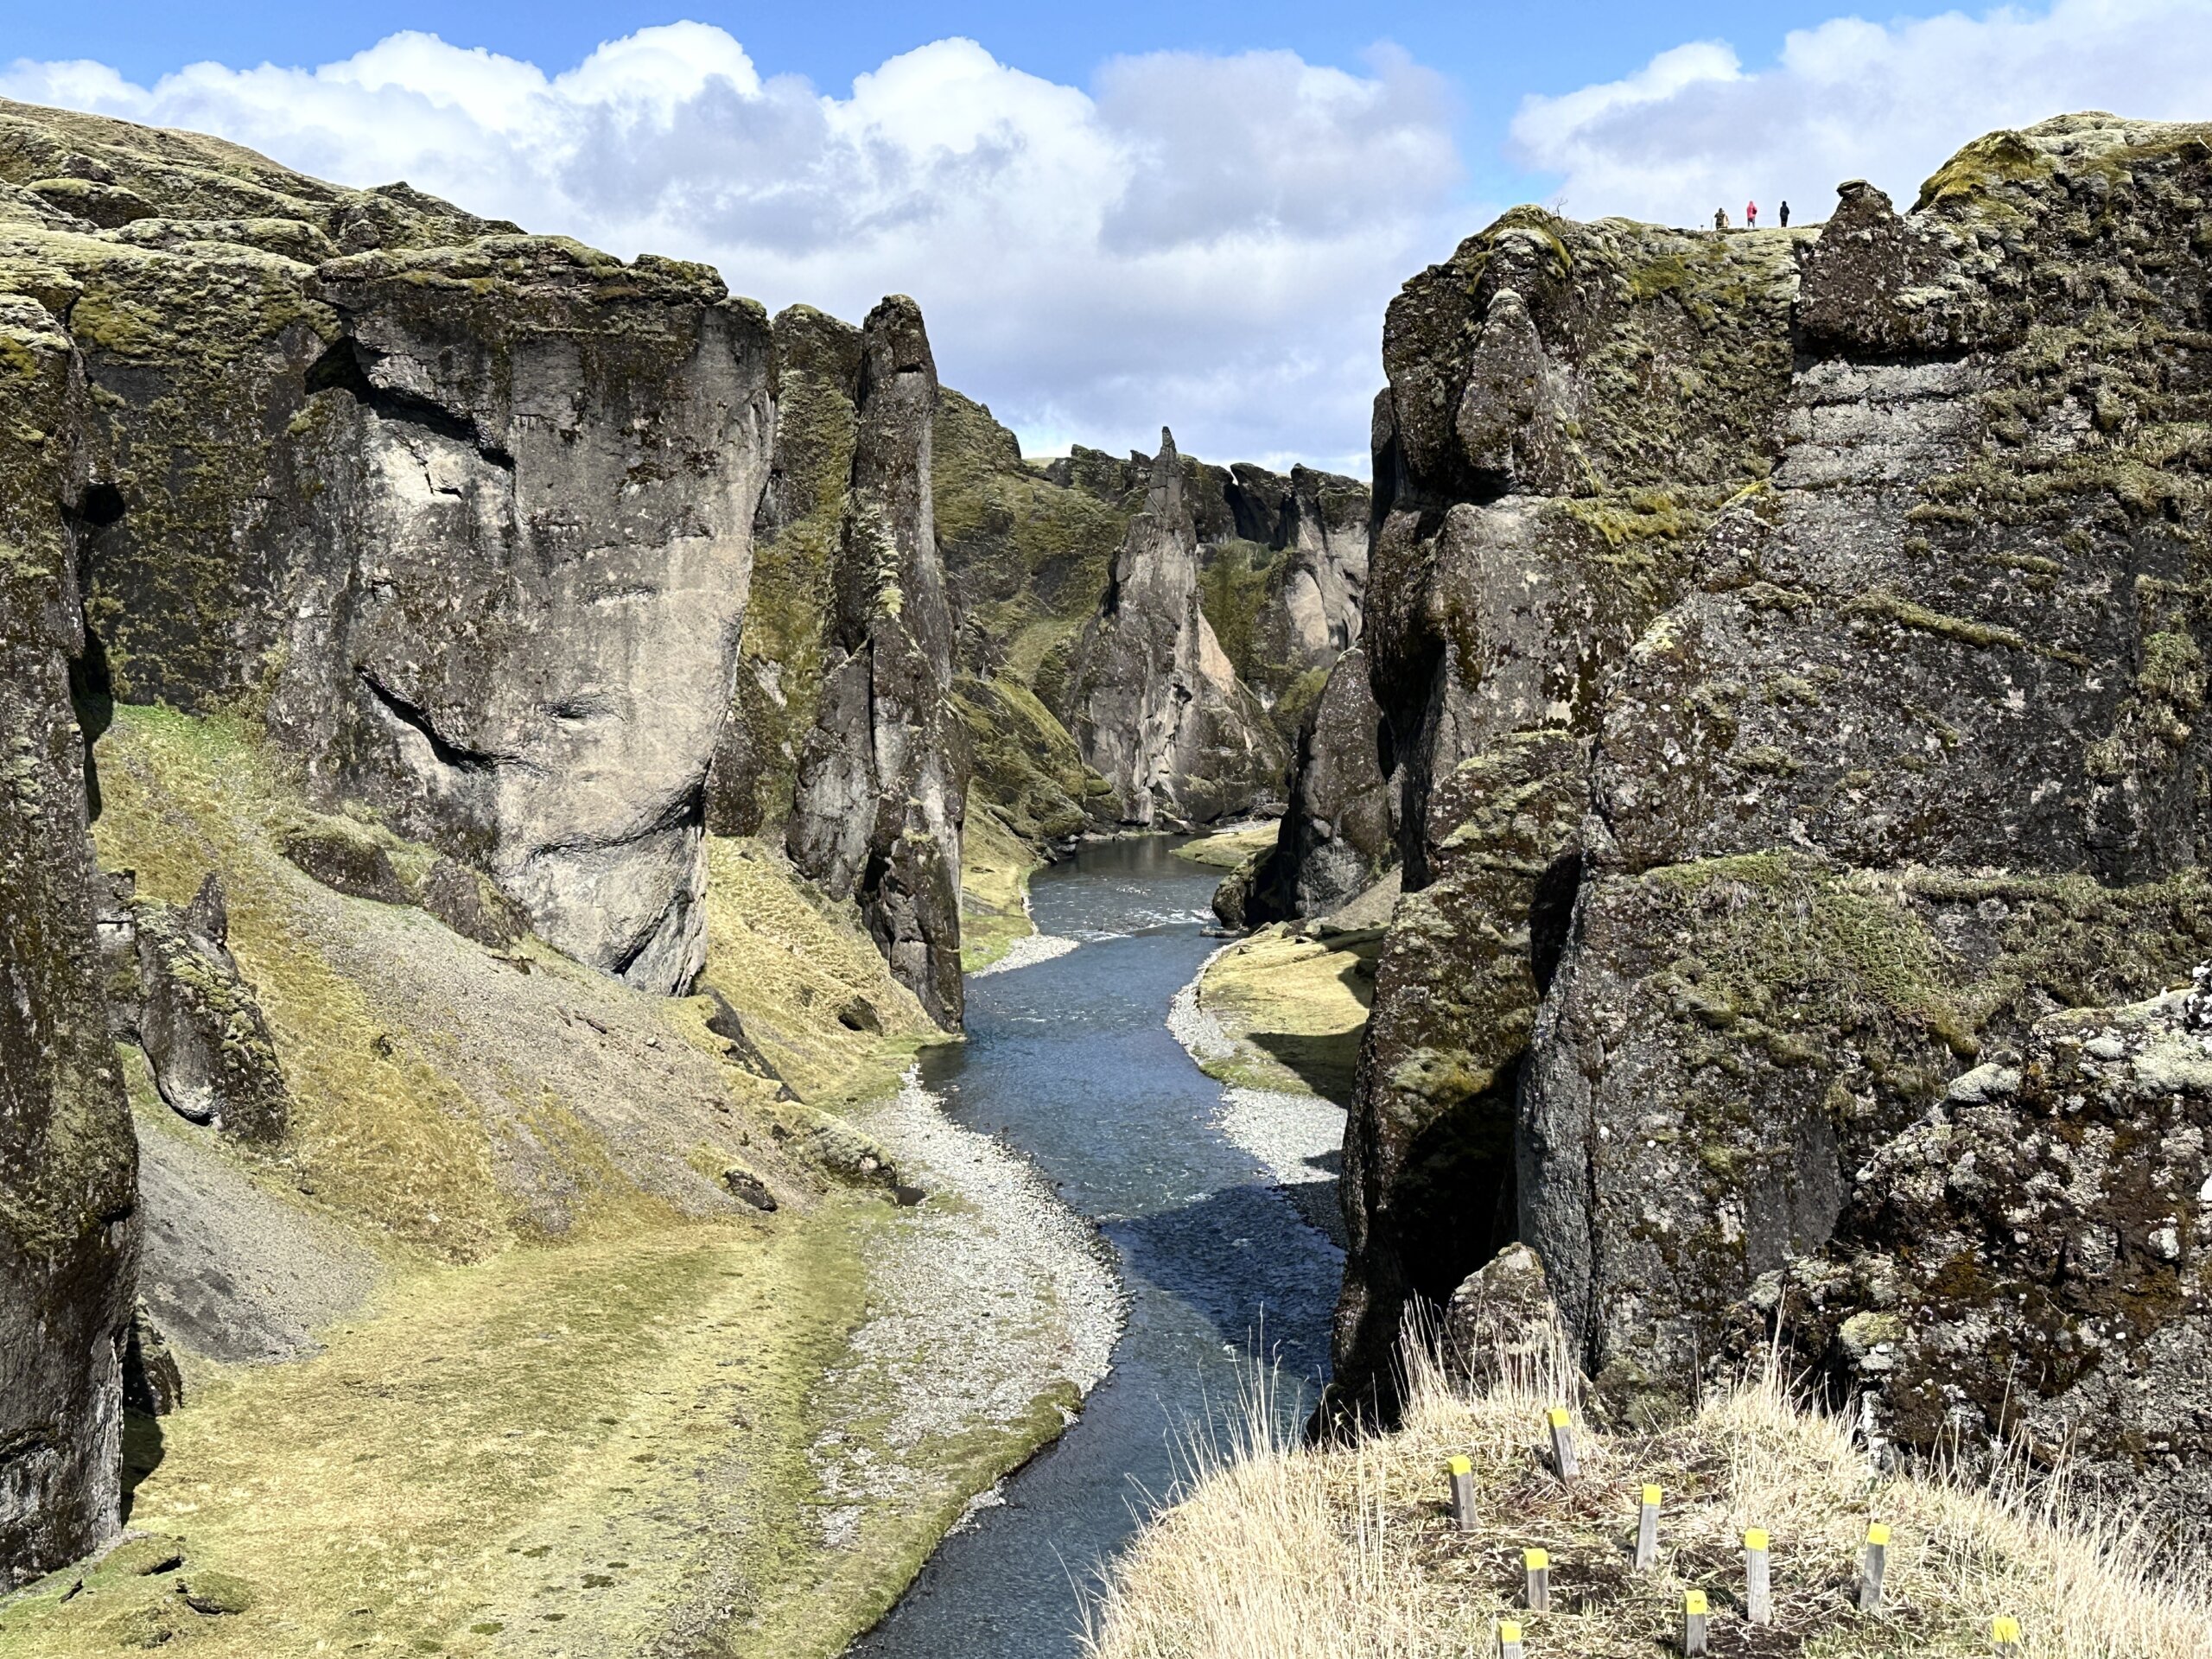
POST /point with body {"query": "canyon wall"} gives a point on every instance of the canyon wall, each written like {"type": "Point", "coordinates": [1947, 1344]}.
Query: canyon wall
{"type": "Point", "coordinates": [1782, 838]}
{"type": "Point", "coordinates": [69, 1166]}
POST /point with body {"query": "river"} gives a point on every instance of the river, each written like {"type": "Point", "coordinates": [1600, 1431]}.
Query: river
{"type": "Point", "coordinates": [1070, 1062]}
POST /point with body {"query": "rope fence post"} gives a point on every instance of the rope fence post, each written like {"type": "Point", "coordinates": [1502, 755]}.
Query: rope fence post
{"type": "Point", "coordinates": [1878, 1561]}
{"type": "Point", "coordinates": [2005, 1636]}
{"type": "Point", "coordinates": [1647, 1530]}
{"type": "Point", "coordinates": [1563, 1444]}
{"type": "Point", "coordinates": [1463, 1494]}
{"type": "Point", "coordinates": [1758, 1584]}
{"type": "Point", "coordinates": [1694, 1617]}
{"type": "Point", "coordinates": [1509, 1640]}
{"type": "Point", "coordinates": [1537, 1564]}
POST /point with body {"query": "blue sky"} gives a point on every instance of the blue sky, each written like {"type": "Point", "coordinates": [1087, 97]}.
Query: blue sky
{"type": "Point", "coordinates": [1120, 216]}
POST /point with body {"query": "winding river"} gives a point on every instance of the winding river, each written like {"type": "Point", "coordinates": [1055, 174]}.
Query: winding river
{"type": "Point", "coordinates": [1069, 1061]}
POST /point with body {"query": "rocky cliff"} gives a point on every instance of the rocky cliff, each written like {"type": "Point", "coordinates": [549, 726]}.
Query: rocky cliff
{"type": "Point", "coordinates": [1789, 648]}
{"type": "Point", "coordinates": [465, 514]}
{"type": "Point", "coordinates": [1570, 408]}
{"type": "Point", "coordinates": [882, 786]}
{"type": "Point", "coordinates": [1157, 707]}
{"type": "Point", "coordinates": [1282, 563]}
{"type": "Point", "coordinates": [68, 1221]}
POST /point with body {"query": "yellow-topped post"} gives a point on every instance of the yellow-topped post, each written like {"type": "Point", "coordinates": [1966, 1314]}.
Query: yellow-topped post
{"type": "Point", "coordinates": [1877, 1562]}
{"type": "Point", "coordinates": [1463, 1493]}
{"type": "Point", "coordinates": [1693, 1617]}
{"type": "Point", "coordinates": [1758, 1586]}
{"type": "Point", "coordinates": [1509, 1640]}
{"type": "Point", "coordinates": [1562, 1427]}
{"type": "Point", "coordinates": [1647, 1530]}
{"type": "Point", "coordinates": [2005, 1635]}
{"type": "Point", "coordinates": [1537, 1565]}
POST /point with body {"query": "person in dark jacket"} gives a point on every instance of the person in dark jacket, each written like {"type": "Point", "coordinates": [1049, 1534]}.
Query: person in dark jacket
{"type": "Point", "coordinates": [1785, 215]}
{"type": "Point", "coordinates": [1720, 218]}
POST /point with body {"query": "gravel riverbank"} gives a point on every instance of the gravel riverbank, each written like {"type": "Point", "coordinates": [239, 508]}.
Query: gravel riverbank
{"type": "Point", "coordinates": [993, 1310]}
{"type": "Point", "coordinates": [1297, 1138]}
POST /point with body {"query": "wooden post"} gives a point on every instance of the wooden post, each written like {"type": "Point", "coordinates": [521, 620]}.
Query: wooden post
{"type": "Point", "coordinates": [1647, 1530]}
{"type": "Point", "coordinates": [1694, 1622]}
{"type": "Point", "coordinates": [1538, 1565]}
{"type": "Point", "coordinates": [1877, 1562]}
{"type": "Point", "coordinates": [1758, 1584]}
{"type": "Point", "coordinates": [2005, 1636]}
{"type": "Point", "coordinates": [1509, 1640]}
{"type": "Point", "coordinates": [1563, 1444]}
{"type": "Point", "coordinates": [1463, 1494]}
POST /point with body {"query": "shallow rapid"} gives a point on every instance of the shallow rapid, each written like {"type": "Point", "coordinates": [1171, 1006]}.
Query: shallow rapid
{"type": "Point", "coordinates": [1069, 1061]}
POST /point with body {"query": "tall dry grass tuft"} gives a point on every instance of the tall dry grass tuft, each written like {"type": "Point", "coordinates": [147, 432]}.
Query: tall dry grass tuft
{"type": "Point", "coordinates": [1279, 1550]}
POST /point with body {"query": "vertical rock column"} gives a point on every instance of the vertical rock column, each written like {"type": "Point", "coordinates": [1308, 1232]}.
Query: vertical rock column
{"type": "Point", "coordinates": [882, 787]}
{"type": "Point", "coordinates": [1157, 706]}
{"type": "Point", "coordinates": [68, 1165]}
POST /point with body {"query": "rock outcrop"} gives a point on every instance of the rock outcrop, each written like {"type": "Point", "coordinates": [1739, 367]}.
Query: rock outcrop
{"type": "Point", "coordinates": [1156, 705]}
{"type": "Point", "coordinates": [68, 1226]}
{"type": "Point", "coordinates": [199, 1022]}
{"type": "Point", "coordinates": [881, 789]}
{"type": "Point", "coordinates": [2057, 1292]}
{"type": "Point", "coordinates": [1282, 563]}
{"type": "Point", "coordinates": [1534, 515]}
{"type": "Point", "coordinates": [1754, 817]}
{"type": "Point", "coordinates": [466, 513]}
{"type": "Point", "coordinates": [1339, 835]}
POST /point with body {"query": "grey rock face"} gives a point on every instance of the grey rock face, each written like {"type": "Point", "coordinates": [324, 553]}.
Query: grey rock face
{"type": "Point", "coordinates": [882, 789]}
{"type": "Point", "coordinates": [69, 1224]}
{"type": "Point", "coordinates": [1531, 521]}
{"type": "Point", "coordinates": [1338, 836]}
{"type": "Point", "coordinates": [548, 492]}
{"type": "Point", "coordinates": [2057, 1286]}
{"type": "Point", "coordinates": [1857, 704]}
{"type": "Point", "coordinates": [201, 1028]}
{"type": "Point", "coordinates": [1158, 709]}
{"type": "Point", "coordinates": [466, 513]}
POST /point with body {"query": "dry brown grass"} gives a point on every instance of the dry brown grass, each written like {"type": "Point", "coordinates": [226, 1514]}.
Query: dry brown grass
{"type": "Point", "coordinates": [1279, 1551]}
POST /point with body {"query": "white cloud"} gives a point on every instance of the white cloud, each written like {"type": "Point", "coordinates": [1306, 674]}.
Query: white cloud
{"type": "Point", "coordinates": [1693, 130]}
{"type": "Point", "coordinates": [1207, 241]}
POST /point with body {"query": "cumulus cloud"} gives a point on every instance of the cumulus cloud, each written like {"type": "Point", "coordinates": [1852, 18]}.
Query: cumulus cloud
{"type": "Point", "coordinates": [1694, 129]}
{"type": "Point", "coordinates": [1205, 241]}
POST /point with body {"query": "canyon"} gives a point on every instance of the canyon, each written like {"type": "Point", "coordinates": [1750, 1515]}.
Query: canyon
{"type": "Point", "coordinates": [514, 754]}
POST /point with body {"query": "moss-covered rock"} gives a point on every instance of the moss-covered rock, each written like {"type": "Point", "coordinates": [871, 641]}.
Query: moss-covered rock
{"type": "Point", "coordinates": [202, 1028]}
{"type": "Point", "coordinates": [1862, 562]}
{"type": "Point", "coordinates": [68, 1224]}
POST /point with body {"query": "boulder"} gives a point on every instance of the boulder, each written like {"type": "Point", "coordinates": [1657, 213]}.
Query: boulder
{"type": "Point", "coordinates": [2057, 1293]}
{"type": "Point", "coordinates": [202, 1029]}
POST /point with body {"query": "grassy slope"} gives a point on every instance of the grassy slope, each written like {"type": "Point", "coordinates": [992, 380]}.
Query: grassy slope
{"type": "Point", "coordinates": [581, 1410]}
{"type": "Point", "coordinates": [1227, 848]}
{"type": "Point", "coordinates": [1294, 1008]}
{"type": "Point", "coordinates": [994, 867]}
{"type": "Point", "coordinates": [1298, 1553]}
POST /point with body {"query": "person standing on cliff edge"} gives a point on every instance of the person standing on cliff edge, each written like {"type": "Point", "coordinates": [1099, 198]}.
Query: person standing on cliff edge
{"type": "Point", "coordinates": [1785, 215]}
{"type": "Point", "coordinates": [1720, 218]}
{"type": "Point", "coordinates": [1751, 215]}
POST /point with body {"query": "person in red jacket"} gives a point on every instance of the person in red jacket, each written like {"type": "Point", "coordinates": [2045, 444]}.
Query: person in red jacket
{"type": "Point", "coordinates": [1751, 215]}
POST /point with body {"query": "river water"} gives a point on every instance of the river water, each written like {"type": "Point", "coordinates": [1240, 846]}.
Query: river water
{"type": "Point", "coordinates": [1070, 1062]}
